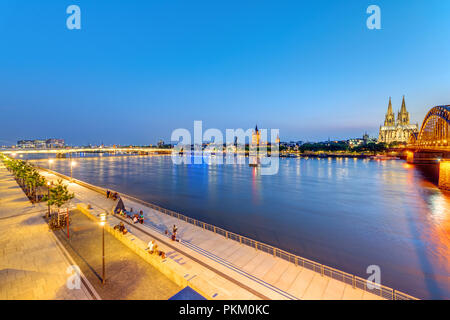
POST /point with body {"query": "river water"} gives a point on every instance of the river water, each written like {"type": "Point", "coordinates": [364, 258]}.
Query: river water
{"type": "Point", "coordinates": [345, 213]}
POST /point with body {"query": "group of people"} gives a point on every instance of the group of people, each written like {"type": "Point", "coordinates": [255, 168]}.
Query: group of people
{"type": "Point", "coordinates": [174, 233]}
{"type": "Point", "coordinates": [131, 215]}
{"type": "Point", "coordinates": [110, 194]}
{"type": "Point", "coordinates": [121, 228]}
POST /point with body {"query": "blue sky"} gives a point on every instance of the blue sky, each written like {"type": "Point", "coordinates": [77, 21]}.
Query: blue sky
{"type": "Point", "coordinates": [139, 69]}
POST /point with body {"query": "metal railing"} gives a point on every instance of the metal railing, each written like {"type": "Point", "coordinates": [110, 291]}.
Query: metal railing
{"type": "Point", "coordinates": [355, 281]}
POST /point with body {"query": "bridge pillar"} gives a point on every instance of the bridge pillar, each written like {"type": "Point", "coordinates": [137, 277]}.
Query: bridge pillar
{"type": "Point", "coordinates": [424, 157]}
{"type": "Point", "coordinates": [444, 175]}
{"type": "Point", "coordinates": [410, 157]}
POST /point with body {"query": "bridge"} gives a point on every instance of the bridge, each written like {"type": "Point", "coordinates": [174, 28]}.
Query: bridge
{"type": "Point", "coordinates": [431, 145]}
{"type": "Point", "coordinates": [140, 150]}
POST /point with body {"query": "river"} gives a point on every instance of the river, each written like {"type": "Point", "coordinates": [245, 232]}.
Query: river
{"type": "Point", "coordinates": [345, 213]}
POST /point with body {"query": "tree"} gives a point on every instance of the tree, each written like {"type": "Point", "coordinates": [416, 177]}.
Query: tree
{"type": "Point", "coordinates": [35, 180]}
{"type": "Point", "coordinates": [59, 195]}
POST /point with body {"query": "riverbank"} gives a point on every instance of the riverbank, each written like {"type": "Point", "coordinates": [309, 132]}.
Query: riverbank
{"type": "Point", "coordinates": [217, 264]}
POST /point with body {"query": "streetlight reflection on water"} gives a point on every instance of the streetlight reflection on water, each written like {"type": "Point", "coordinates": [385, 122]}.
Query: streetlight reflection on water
{"type": "Point", "coordinates": [72, 164]}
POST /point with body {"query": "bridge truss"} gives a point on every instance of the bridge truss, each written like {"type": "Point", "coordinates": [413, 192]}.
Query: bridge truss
{"type": "Point", "coordinates": [435, 130]}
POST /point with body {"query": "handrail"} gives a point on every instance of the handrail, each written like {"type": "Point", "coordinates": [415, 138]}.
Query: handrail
{"type": "Point", "coordinates": [355, 281]}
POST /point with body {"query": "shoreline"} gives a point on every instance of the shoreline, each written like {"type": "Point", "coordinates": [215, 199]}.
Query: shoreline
{"type": "Point", "coordinates": [353, 280]}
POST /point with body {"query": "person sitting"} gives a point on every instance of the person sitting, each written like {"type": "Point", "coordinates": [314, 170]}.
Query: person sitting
{"type": "Point", "coordinates": [122, 228]}
{"type": "Point", "coordinates": [135, 218]}
{"type": "Point", "coordinates": [141, 217]}
{"type": "Point", "coordinates": [151, 247]}
{"type": "Point", "coordinates": [130, 214]}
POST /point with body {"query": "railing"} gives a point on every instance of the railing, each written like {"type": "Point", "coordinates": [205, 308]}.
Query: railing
{"type": "Point", "coordinates": [355, 281]}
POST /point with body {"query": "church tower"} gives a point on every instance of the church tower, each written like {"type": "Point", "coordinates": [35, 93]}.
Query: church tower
{"type": "Point", "coordinates": [389, 120]}
{"type": "Point", "coordinates": [403, 115]}
{"type": "Point", "coordinates": [256, 137]}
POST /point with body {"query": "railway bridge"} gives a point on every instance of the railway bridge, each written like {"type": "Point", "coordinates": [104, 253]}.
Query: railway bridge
{"type": "Point", "coordinates": [431, 145]}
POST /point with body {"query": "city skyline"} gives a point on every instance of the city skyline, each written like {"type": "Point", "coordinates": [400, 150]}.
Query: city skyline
{"type": "Point", "coordinates": [136, 72]}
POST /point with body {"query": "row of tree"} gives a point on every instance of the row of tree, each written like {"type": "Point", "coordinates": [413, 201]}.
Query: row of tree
{"type": "Point", "coordinates": [340, 146]}
{"type": "Point", "coordinates": [30, 180]}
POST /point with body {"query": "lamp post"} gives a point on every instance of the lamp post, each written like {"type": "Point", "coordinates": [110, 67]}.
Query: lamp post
{"type": "Point", "coordinates": [102, 224]}
{"type": "Point", "coordinates": [72, 164]}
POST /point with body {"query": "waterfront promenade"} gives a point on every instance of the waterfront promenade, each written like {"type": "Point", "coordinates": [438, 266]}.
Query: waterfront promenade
{"type": "Point", "coordinates": [219, 267]}
{"type": "Point", "coordinates": [128, 276]}
{"type": "Point", "coordinates": [32, 263]}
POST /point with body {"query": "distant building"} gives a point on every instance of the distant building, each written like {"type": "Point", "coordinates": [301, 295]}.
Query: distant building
{"type": "Point", "coordinates": [160, 143]}
{"type": "Point", "coordinates": [40, 144]}
{"type": "Point", "coordinates": [256, 137]}
{"type": "Point", "coordinates": [399, 131]}
{"type": "Point", "coordinates": [55, 143]}
{"type": "Point", "coordinates": [366, 138]}
{"type": "Point", "coordinates": [25, 144]}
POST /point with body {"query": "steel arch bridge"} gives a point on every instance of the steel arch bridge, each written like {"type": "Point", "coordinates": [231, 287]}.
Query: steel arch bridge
{"type": "Point", "coordinates": [435, 130]}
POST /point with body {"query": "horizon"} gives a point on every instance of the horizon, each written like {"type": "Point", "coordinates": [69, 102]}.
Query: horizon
{"type": "Point", "coordinates": [135, 72]}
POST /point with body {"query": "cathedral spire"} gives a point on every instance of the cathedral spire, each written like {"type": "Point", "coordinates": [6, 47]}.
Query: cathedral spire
{"type": "Point", "coordinates": [403, 115]}
{"type": "Point", "coordinates": [390, 107]}
{"type": "Point", "coordinates": [403, 109]}
{"type": "Point", "coordinates": [390, 117]}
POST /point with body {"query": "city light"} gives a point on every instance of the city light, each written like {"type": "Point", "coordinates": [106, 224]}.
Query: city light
{"type": "Point", "coordinates": [102, 219]}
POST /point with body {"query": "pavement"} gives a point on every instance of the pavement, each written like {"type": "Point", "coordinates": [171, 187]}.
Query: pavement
{"type": "Point", "coordinates": [32, 263]}
{"type": "Point", "coordinates": [128, 276]}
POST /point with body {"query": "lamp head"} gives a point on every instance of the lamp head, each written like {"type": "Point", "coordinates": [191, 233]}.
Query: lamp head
{"type": "Point", "coordinates": [102, 219]}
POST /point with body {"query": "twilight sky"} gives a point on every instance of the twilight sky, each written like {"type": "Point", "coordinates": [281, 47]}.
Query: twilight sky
{"type": "Point", "coordinates": [139, 69]}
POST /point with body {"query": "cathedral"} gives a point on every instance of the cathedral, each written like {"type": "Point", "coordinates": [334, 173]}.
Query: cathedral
{"type": "Point", "coordinates": [397, 131]}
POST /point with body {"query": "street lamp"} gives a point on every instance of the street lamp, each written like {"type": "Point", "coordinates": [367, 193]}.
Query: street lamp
{"type": "Point", "coordinates": [48, 198]}
{"type": "Point", "coordinates": [72, 164]}
{"type": "Point", "coordinates": [102, 224]}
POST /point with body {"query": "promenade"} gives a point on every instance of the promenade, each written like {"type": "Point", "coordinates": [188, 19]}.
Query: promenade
{"type": "Point", "coordinates": [128, 276]}
{"type": "Point", "coordinates": [221, 268]}
{"type": "Point", "coordinates": [32, 263]}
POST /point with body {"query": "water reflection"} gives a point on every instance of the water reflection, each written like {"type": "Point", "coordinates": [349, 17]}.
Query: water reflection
{"type": "Point", "coordinates": [346, 213]}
